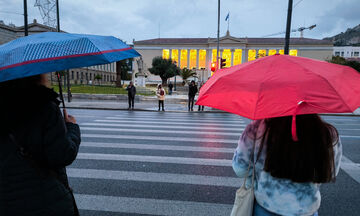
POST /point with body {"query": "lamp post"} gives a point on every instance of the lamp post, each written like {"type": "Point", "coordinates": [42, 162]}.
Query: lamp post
{"type": "Point", "coordinates": [25, 19]}
{"type": "Point", "coordinates": [175, 78]}
{"type": "Point", "coordinates": [288, 26]}
{"type": "Point", "coordinates": [218, 35]}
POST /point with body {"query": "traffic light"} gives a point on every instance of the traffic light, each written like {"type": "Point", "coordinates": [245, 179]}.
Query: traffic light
{"type": "Point", "coordinates": [213, 67]}
{"type": "Point", "coordinates": [222, 63]}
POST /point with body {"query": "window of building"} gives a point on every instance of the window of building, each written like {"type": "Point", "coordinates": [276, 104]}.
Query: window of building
{"type": "Point", "coordinates": [251, 54]}
{"type": "Point", "coordinates": [272, 52]}
{"type": "Point", "coordinates": [82, 75]}
{"type": "Point", "coordinates": [356, 54]}
{"type": "Point", "coordinates": [192, 62]}
{"type": "Point", "coordinates": [237, 56]}
{"type": "Point", "coordinates": [166, 54]}
{"type": "Point", "coordinates": [202, 59]}
{"type": "Point", "coordinates": [175, 56]}
{"type": "Point", "coordinates": [72, 75]}
{"type": "Point", "coordinates": [342, 54]}
{"type": "Point", "coordinates": [293, 52]}
{"type": "Point", "coordinates": [226, 54]}
{"type": "Point", "coordinates": [183, 58]}
{"type": "Point", "coordinates": [337, 53]}
{"type": "Point", "coordinates": [214, 54]}
{"type": "Point", "coordinates": [77, 75]}
{"type": "Point", "coordinates": [261, 53]}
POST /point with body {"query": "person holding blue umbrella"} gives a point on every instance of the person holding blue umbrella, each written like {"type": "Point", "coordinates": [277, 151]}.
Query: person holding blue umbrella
{"type": "Point", "coordinates": [37, 139]}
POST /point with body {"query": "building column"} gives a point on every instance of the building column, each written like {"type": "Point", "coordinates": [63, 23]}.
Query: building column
{"type": "Point", "coordinates": [244, 55]}
{"type": "Point", "coordinates": [179, 57]}
{"type": "Point", "coordinates": [232, 57]}
{"type": "Point", "coordinates": [197, 59]}
{"type": "Point", "coordinates": [188, 59]}
{"type": "Point", "coordinates": [208, 62]}
{"type": "Point", "coordinates": [170, 54]}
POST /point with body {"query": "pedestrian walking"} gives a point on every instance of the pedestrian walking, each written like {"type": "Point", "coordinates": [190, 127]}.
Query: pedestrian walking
{"type": "Point", "coordinates": [170, 86]}
{"type": "Point", "coordinates": [36, 144]}
{"type": "Point", "coordinates": [160, 93]}
{"type": "Point", "coordinates": [131, 89]}
{"type": "Point", "coordinates": [288, 173]}
{"type": "Point", "coordinates": [200, 107]}
{"type": "Point", "coordinates": [192, 92]}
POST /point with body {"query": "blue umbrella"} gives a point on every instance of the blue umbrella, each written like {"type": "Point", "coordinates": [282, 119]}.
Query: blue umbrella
{"type": "Point", "coordinates": [55, 51]}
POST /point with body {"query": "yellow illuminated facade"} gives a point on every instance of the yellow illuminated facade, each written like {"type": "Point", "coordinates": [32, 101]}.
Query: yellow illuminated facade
{"type": "Point", "coordinates": [251, 55]}
{"type": "Point", "coordinates": [183, 58]}
{"type": "Point", "coordinates": [202, 58]}
{"type": "Point", "coordinates": [214, 54]}
{"type": "Point", "coordinates": [175, 55]}
{"type": "Point", "coordinates": [293, 52]}
{"type": "Point", "coordinates": [237, 56]}
{"type": "Point", "coordinates": [226, 54]}
{"type": "Point", "coordinates": [261, 53]}
{"type": "Point", "coordinates": [166, 54]}
{"type": "Point", "coordinates": [192, 59]}
{"type": "Point", "coordinates": [272, 52]}
{"type": "Point", "coordinates": [281, 52]}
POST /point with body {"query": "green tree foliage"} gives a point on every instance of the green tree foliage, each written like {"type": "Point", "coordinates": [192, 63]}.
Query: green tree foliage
{"type": "Point", "coordinates": [122, 68]}
{"type": "Point", "coordinates": [342, 61]}
{"type": "Point", "coordinates": [98, 77]}
{"type": "Point", "coordinates": [187, 73]}
{"type": "Point", "coordinates": [165, 68]}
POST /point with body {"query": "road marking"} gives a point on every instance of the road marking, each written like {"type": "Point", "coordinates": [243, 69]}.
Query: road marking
{"type": "Point", "coordinates": [156, 159]}
{"type": "Point", "coordinates": [155, 177]}
{"type": "Point", "coordinates": [161, 138]}
{"type": "Point", "coordinates": [183, 115]}
{"type": "Point", "coordinates": [237, 134]}
{"type": "Point", "coordinates": [349, 136]}
{"type": "Point", "coordinates": [351, 168]}
{"type": "Point", "coordinates": [150, 206]}
{"type": "Point", "coordinates": [170, 123]}
{"type": "Point", "coordinates": [240, 128]}
{"type": "Point", "coordinates": [178, 120]}
{"type": "Point", "coordinates": [157, 147]}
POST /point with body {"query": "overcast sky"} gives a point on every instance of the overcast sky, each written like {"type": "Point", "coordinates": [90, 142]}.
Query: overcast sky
{"type": "Point", "coordinates": [142, 19]}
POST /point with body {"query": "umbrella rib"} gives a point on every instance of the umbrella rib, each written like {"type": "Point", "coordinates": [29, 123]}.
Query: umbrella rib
{"type": "Point", "coordinates": [307, 70]}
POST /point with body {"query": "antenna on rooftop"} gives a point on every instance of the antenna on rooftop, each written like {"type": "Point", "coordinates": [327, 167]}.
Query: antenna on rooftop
{"type": "Point", "coordinates": [47, 10]}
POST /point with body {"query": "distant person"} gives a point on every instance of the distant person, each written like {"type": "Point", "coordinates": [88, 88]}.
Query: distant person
{"type": "Point", "coordinates": [37, 142]}
{"type": "Point", "coordinates": [201, 108]}
{"type": "Point", "coordinates": [192, 92]}
{"type": "Point", "coordinates": [170, 86]}
{"type": "Point", "coordinates": [160, 93]}
{"type": "Point", "coordinates": [288, 173]}
{"type": "Point", "coordinates": [131, 94]}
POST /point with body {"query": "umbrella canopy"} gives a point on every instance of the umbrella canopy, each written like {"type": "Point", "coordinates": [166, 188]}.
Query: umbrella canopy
{"type": "Point", "coordinates": [54, 51]}
{"type": "Point", "coordinates": [282, 85]}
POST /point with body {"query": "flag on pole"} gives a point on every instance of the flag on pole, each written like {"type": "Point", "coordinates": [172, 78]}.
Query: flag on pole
{"type": "Point", "coordinates": [227, 16]}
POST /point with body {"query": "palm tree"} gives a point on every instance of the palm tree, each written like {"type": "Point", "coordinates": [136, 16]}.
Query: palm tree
{"type": "Point", "coordinates": [186, 73]}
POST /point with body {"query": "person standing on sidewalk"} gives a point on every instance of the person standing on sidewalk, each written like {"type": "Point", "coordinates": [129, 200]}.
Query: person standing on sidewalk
{"type": "Point", "coordinates": [160, 93]}
{"type": "Point", "coordinates": [170, 86]}
{"type": "Point", "coordinates": [131, 94]}
{"type": "Point", "coordinates": [200, 107]}
{"type": "Point", "coordinates": [192, 92]}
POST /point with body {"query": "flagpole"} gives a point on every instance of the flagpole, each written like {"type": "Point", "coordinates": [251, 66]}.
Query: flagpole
{"type": "Point", "coordinates": [228, 21]}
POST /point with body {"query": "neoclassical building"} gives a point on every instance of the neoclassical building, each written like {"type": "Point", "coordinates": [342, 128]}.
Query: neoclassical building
{"type": "Point", "coordinates": [84, 75]}
{"type": "Point", "coordinates": [199, 53]}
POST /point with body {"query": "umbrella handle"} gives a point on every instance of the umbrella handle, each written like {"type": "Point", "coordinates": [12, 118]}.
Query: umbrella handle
{"type": "Point", "coordinates": [60, 90]}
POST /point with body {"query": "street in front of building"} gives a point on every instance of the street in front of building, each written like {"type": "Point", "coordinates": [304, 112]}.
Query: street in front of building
{"type": "Point", "coordinates": [179, 163]}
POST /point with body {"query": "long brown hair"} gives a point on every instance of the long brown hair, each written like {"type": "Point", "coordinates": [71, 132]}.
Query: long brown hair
{"type": "Point", "coordinates": [311, 159]}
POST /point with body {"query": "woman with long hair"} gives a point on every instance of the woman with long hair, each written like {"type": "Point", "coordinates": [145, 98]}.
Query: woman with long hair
{"type": "Point", "coordinates": [160, 93]}
{"type": "Point", "coordinates": [288, 173]}
{"type": "Point", "coordinates": [36, 144]}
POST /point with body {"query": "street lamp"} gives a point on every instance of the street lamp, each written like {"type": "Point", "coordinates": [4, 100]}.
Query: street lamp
{"type": "Point", "coordinates": [175, 77]}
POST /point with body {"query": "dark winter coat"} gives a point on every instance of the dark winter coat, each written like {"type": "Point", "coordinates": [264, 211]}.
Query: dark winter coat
{"type": "Point", "coordinates": [34, 118]}
{"type": "Point", "coordinates": [192, 90]}
{"type": "Point", "coordinates": [131, 91]}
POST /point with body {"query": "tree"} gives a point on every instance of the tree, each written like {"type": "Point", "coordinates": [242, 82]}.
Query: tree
{"type": "Point", "coordinates": [187, 73]}
{"type": "Point", "coordinates": [342, 61]}
{"type": "Point", "coordinates": [165, 68]}
{"type": "Point", "coordinates": [122, 68]}
{"type": "Point", "coordinates": [98, 77]}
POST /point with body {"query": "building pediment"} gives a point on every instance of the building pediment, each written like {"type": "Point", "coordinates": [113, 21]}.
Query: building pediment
{"type": "Point", "coordinates": [228, 39]}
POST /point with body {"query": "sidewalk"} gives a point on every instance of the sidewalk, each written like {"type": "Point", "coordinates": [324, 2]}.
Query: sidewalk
{"type": "Point", "coordinates": [173, 103]}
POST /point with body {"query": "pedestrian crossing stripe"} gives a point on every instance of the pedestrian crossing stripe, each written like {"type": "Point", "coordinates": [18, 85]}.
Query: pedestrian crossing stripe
{"type": "Point", "coordinates": [176, 120]}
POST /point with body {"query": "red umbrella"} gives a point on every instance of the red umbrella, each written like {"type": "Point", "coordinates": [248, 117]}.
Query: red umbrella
{"type": "Point", "coordinates": [283, 85]}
